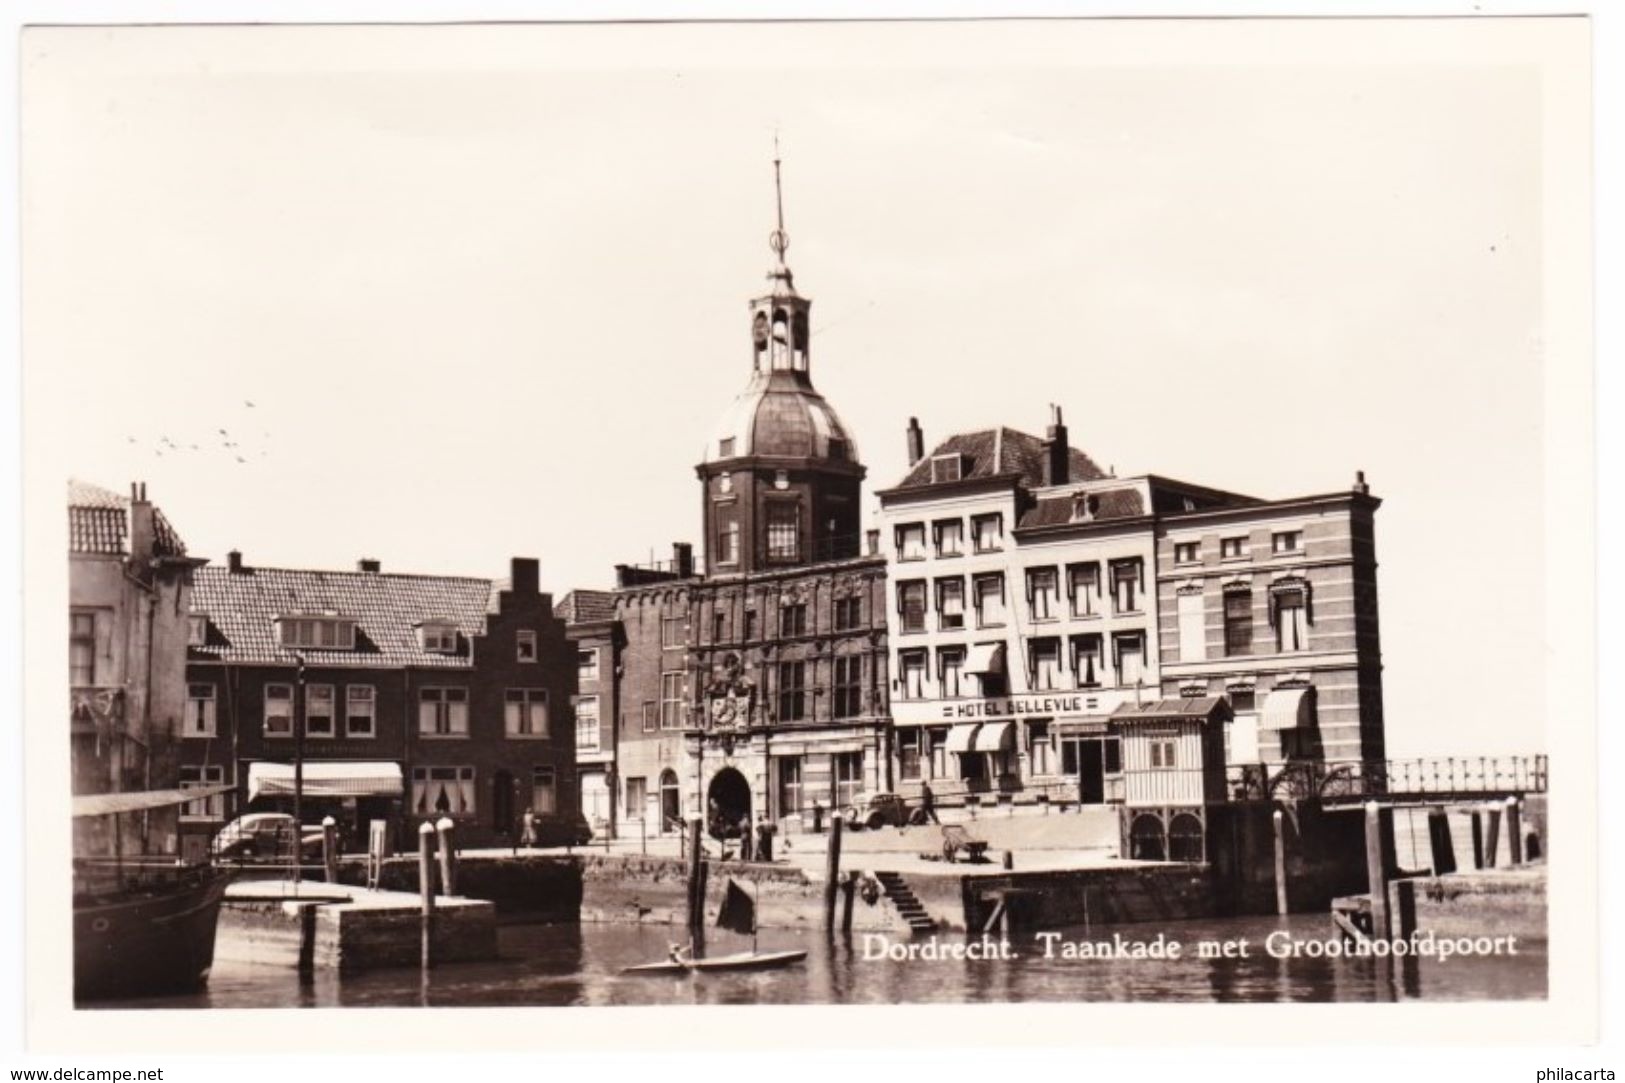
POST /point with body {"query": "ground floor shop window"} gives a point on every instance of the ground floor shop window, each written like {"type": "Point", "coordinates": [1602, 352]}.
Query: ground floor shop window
{"type": "Point", "coordinates": [908, 755]}
{"type": "Point", "coordinates": [847, 772]}
{"type": "Point", "coordinates": [444, 791]}
{"type": "Point", "coordinates": [790, 788]}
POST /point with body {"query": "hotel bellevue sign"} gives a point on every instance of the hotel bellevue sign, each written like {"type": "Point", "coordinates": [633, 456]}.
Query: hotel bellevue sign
{"type": "Point", "coordinates": [1031, 705]}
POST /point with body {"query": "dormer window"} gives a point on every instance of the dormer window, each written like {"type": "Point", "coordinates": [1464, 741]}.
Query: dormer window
{"type": "Point", "coordinates": [438, 636]}
{"type": "Point", "coordinates": [725, 447]}
{"type": "Point", "coordinates": [320, 631]}
{"type": "Point", "coordinates": [1085, 506]}
{"type": "Point", "coordinates": [946, 468]}
{"type": "Point", "coordinates": [197, 630]}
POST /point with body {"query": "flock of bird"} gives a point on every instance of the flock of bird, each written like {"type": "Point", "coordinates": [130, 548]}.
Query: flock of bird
{"type": "Point", "coordinates": [220, 441]}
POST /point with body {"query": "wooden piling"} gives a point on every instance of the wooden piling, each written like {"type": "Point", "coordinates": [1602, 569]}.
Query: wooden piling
{"type": "Point", "coordinates": [1493, 842]}
{"type": "Point", "coordinates": [445, 829]}
{"type": "Point", "coordinates": [1279, 820]}
{"type": "Point", "coordinates": [849, 891]}
{"type": "Point", "coordinates": [1376, 872]}
{"type": "Point", "coordinates": [1009, 859]}
{"type": "Point", "coordinates": [1478, 841]}
{"type": "Point", "coordinates": [1441, 845]}
{"type": "Point", "coordinates": [1514, 833]}
{"type": "Point", "coordinates": [426, 891]}
{"type": "Point", "coordinates": [832, 873]}
{"type": "Point", "coordinates": [1405, 892]}
{"type": "Point", "coordinates": [696, 900]}
{"type": "Point", "coordinates": [330, 849]}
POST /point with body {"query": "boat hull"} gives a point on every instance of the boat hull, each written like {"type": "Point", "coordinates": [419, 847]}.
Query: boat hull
{"type": "Point", "coordinates": [745, 960]}
{"type": "Point", "coordinates": [150, 940]}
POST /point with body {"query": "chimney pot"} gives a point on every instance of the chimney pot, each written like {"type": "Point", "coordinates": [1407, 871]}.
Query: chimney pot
{"type": "Point", "coordinates": [234, 562]}
{"type": "Point", "coordinates": [369, 564]}
{"type": "Point", "coordinates": [916, 441]}
{"type": "Point", "coordinates": [682, 559]}
{"type": "Point", "coordinates": [524, 576]}
{"type": "Point", "coordinates": [1057, 454]}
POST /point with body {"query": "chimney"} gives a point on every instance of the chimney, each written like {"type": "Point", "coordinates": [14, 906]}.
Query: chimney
{"type": "Point", "coordinates": [1359, 483]}
{"type": "Point", "coordinates": [873, 539]}
{"type": "Point", "coordinates": [525, 576]}
{"type": "Point", "coordinates": [234, 562]}
{"type": "Point", "coordinates": [369, 564]}
{"type": "Point", "coordinates": [142, 531]}
{"type": "Point", "coordinates": [682, 559]}
{"type": "Point", "coordinates": [1057, 455]}
{"type": "Point", "coordinates": [916, 441]}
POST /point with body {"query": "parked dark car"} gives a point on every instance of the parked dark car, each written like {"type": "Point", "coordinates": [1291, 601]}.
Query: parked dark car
{"type": "Point", "coordinates": [268, 835]}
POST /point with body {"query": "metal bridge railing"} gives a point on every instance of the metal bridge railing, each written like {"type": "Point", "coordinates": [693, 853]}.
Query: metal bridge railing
{"type": "Point", "coordinates": [1428, 776]}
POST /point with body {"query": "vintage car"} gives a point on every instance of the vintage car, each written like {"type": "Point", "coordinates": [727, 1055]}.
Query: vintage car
{"type": "Point", "coordinates": [267, 835]}
{"type": "Point", "coordinates": [877, 810]}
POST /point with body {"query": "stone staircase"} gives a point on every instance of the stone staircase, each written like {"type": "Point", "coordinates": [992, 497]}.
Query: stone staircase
{"type": "Point", "coordinates": [908, 905]}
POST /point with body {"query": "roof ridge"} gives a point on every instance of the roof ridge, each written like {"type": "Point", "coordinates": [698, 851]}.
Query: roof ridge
{"type": "Point", "coordinates": [218, 569]}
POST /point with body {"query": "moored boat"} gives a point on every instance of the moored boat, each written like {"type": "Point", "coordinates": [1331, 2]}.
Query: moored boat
{"type": "Point", "coordinates": [140, 928]}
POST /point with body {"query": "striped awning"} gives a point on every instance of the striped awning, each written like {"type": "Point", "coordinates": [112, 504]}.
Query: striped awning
{"type": "Point", "coordinates": [326, 778]}
{"type": "Point", "coordinates": [1287, 709]}
{"type": "Point", "coordinates": [995, 737]}
{"type": "Point", "coordinates": [962, 738]}
{"type": "Point", "coordinates": [112, 804]}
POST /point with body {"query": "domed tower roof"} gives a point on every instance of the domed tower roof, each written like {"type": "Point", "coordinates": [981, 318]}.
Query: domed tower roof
{"type": "Point", "coordinates": [780, 415]}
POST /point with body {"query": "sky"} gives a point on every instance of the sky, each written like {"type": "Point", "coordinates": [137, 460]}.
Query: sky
{"type": "Point", "coordinates": [447, 295]}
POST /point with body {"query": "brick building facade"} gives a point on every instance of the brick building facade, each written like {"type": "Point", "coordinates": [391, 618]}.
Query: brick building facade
{"type": "Point", "coordinates": [407, 697]}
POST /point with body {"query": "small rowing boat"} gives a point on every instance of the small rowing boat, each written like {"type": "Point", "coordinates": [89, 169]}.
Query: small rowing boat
{"type": "Point", "coordinates": [744, 960]}
{"type": "Point", "coordinates": [738, 914]}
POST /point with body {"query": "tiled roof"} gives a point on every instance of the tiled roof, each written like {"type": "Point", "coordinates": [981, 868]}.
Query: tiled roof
{"type": "Point", "coordinates": [1000, 451]}
{"type": "Point", "coordinates": [99, 523]}
{"type": "Point", "coordinates": [582, 606]}
{"type": "Point", "coordinates": [242, 608]}
{"type": "Point", "coordinates": [1111, 504]}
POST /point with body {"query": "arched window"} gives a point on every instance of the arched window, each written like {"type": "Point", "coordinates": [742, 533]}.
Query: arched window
{"type": "Point", "coordinates": [1145, 841]}
{"type": "Point", "coordinates": [1185, 838]}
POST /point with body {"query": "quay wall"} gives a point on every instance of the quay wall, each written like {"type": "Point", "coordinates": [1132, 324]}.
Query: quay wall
{"type": "Point", "coordinates": [1492, 902]}
{"type": "Point", "coordinates": [1051, 899]}
{"type": "Point", "coordinates": [349, 937]}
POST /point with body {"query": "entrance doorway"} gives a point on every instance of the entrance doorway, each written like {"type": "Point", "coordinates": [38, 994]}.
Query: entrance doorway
{"type": "Point", "coordinates": [1091, 773]}
{"type": "Point", "coordinates": [502, 801]}
{"type": "Point", "coordinates": [671, 800]}
{"type": "Point", "coordinates": [727, 804]}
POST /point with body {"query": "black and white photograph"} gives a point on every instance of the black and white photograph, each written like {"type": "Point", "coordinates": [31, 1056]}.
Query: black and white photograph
{"type": "Point", "coordinates": [599, 515]}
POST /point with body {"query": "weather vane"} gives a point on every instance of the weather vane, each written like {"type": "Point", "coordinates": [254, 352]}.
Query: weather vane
{"type": "Point", "coordinates": [778, 240]}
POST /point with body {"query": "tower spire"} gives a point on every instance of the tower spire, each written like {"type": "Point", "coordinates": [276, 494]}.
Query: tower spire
{"type": "Point", "coordinates": [779, 240]}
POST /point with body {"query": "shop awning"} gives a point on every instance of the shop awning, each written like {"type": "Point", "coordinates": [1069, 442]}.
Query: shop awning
{"type": "Point", "coordinates": [326, 778]}
{"type": "Point", "coordinates": [1286, 709]}
{"type": "Point", "coordinates": [995, 737]}
{"type": "Point", "coordinates": [985, 658]}
{"type": "Point", "coordinates": [112, 804]}
{"type": "Point", "coordinates": [962, 738]}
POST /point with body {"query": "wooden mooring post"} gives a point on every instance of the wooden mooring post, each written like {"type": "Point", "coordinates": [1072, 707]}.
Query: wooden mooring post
{"type": "Point", "coordinates": [1493, 841]}
{"type": "Point", "coordinates": [330, 849]}
{"type": "Point", "coordinates": [1441, 846]}
{"type": "Point", "coordinates": [696, 885]}
{"type": "Point", "coordinates": [1376, 869]}
{"type": "Point", "coordinates": [426, 891]}
{"type": "Point", "coordinates": [832, 873]}
{"type": "Point", "coordinates": [1514, 833]}
{"type": "Point", "coordinates": [445, 829]}
{"type": "Point", "coordinates": [1478, 841]}
{"type": "Point", "coordinates": [1279, 821]}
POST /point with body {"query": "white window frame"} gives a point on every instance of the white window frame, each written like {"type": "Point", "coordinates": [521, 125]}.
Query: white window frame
{"type": "Point", "coordinates": [941, 530]}
{"type": "Point", "coordinates": [197, 629]}
{"type": "Point", "coordinates": [201, 711]}
{"type": "Point", "coordinates": [996, 519]}
{"type": "Point", "coordinates": [446, 707]}
{"type": "Point", "coordinates": [1043, 604]}
{"type": "Point", "coordinates": [525, 713]}
{"type": "Point", "coordinates": [671, 706]}
{"type": "Point", "coordinates": [316, 631]}
{"type": "Point", "coordinates": [544, 779]}
{"type": "Point", "coordinates": [583, 716]}
{"type": "Point", "coordinates": [266, 699]}
{"type": "Point", "coordinates": [982, 620]}
{"type": "Point", "coordinates": [951, 603]}
{"type": "Point", "coordinates": [204, 809]}
{"type": "Point", "coordinates": [1286, 542]}
{"type": "Point", "coordinates": [525, 646]}
{"type": "Point", "coordinates": [369, 696]}
{"type": "Point", "coordinates": [585, 670]}
{"type": "Point", "coordinates": [911, 679]}
{"type": "Point", "coordinates": [438, 637]}
{"type": "Point", "coordinates": [311, 697]}
{"type": "Point", "coordinates": [911, 541]}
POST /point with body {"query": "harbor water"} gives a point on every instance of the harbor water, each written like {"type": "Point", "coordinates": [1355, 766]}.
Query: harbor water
{"type": "Point", "coordinates": [562, 965]}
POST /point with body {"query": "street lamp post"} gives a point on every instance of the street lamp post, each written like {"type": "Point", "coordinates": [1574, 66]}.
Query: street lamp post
{"type": "Point", "coordinates": [298, 754]}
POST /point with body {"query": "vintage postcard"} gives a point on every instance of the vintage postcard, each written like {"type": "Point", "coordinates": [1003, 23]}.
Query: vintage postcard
{"type": "Point", "coordinates": [960, 514]}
